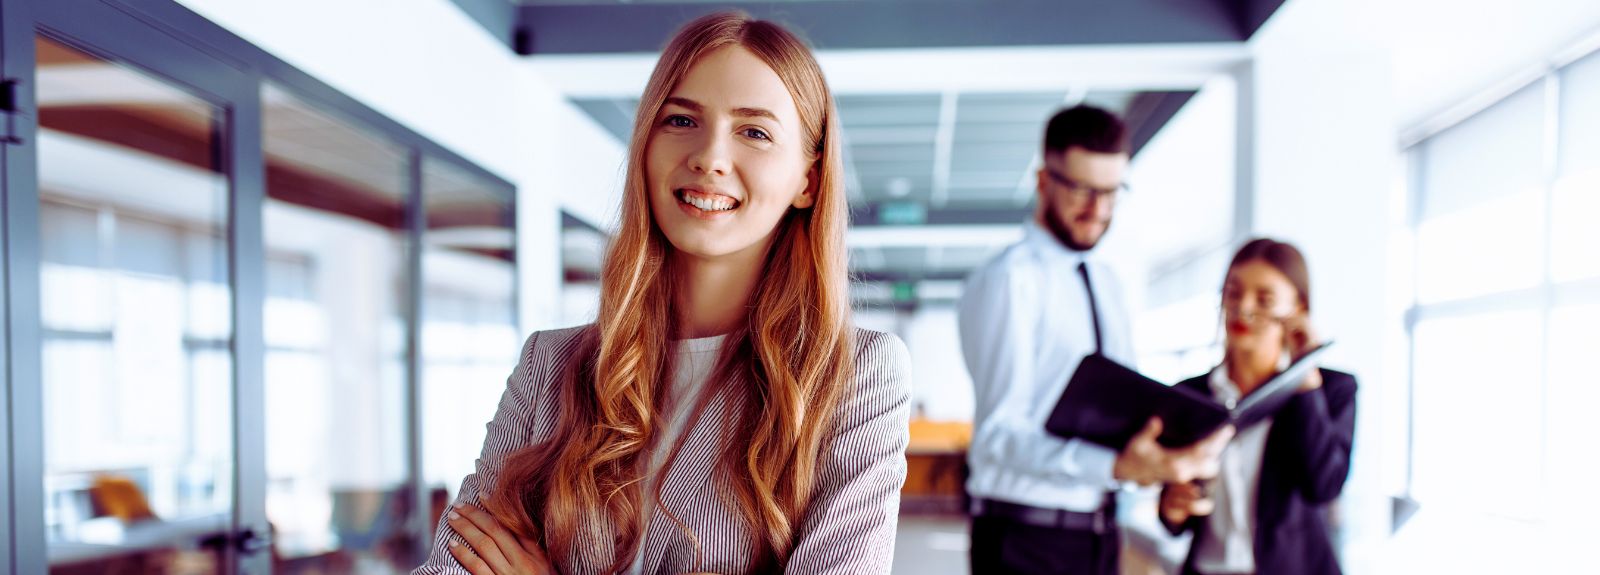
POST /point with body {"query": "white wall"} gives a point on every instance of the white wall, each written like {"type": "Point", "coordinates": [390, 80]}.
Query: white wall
{"type": "Point", "coordinates": [430, 67]}
{"type": "Point", "coordinates": [1325, 160]}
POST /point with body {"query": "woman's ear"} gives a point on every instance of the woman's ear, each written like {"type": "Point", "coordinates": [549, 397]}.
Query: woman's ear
{"type": "Point", "coordinates": [808, 195]}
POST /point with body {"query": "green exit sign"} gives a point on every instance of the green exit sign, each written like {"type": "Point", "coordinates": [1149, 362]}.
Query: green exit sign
{"type": "Point", "coordinates": [905, 291]}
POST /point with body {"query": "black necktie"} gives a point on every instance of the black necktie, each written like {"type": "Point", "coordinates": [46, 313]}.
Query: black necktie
{"type": "Point", "coordinates": [1094, 310]}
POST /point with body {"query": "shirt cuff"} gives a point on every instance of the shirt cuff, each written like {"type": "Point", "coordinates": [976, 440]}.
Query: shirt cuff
{"type": "Point", "coordinates": [1095, 463]}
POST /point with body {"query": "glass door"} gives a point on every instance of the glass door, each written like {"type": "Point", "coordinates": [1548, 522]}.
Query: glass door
{"type": "Point", "coordinates": [135, 327]}
{"type": "Point", "coordinates": [132, 232]}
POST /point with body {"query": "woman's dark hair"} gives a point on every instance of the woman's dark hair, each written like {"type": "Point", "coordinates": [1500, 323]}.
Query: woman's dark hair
{"type": "Point", "coordinates": [1281, 256]}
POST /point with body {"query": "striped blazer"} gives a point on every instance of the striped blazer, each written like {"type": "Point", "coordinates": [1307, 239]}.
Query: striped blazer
{"type": "Point", "coordinates": [849, 528]}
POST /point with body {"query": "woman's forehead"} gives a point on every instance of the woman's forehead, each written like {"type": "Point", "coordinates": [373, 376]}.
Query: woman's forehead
{"type": "Point", "coordinates": [733, 79]}
{"type": "Point", "coordinates": [1257, 273]}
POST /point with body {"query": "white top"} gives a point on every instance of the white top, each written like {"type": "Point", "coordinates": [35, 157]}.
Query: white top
{"type": "Point", "coordinates": [695, 360]}
{"type": "Point", "coordinates": [1227, 545]}
{"type": "Point", "coordinates": [1025, 325]}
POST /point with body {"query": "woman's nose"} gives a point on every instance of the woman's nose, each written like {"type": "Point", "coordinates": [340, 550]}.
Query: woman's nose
{"type": "Point", "coordinates": [711, 156]}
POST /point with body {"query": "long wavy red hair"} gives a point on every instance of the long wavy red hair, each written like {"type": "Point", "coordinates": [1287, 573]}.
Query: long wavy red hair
{"type": "Point", "coordinates": [580, 491]}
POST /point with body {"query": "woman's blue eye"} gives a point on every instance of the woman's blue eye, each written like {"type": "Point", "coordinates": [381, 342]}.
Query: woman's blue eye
{"type": "Point", "coordinates": [678, 121]}
{"type": "Point", "coordinates": [756, 133]}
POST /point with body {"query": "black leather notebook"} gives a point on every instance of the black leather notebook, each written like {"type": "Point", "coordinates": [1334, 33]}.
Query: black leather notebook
{"type": "Point", "coordinates": [1107, 403]}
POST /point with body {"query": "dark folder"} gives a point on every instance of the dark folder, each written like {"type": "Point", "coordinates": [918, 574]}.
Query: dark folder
{"type": "Point", "coordinates": [1107, 403]}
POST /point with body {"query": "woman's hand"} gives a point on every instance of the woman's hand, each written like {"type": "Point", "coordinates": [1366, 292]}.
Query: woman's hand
{"type": "Point", "coordinates": [490, 548]}
{"type": "Point", "coordinates": [1180, 501]}
{"type": "Point", "coordinates": [1299, 339]}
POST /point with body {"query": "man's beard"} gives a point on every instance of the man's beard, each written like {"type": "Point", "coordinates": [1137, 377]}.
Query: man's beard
{"type": "Point", "coordinates": [1058, 228]}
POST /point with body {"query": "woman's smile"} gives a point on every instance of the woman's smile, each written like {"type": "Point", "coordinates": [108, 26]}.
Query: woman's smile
{"type": "Point", "coordinates": [705, 204]}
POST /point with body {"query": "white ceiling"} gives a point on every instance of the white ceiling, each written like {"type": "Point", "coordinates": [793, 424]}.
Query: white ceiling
{"type": "Point", "coordinates": [957, 128]}
{"type": "Point", "coordinates": [1445, 52]}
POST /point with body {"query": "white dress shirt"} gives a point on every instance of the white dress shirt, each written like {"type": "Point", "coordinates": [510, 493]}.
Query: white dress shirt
{"type": "Point", "coordinates": [1025, 325]}
{"type": "Point", "coordinates": [1227, 545]}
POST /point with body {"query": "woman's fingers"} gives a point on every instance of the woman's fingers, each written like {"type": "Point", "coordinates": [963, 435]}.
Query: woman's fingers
{"type": "Point", "coordinates": [503, 538]}
{"type": "Point", "coordinates": [1184, 499]}
{"type": "Point", "coordinates": [480, 538]}
{"type": "Point", "coordinates": [469, 560]}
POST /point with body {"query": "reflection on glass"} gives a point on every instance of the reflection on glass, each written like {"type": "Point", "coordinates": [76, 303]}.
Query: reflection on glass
{"type": "Point", "coordinates": [335, 342]}
{"type": "Point", "coordinates": [469, 335]}
{"type": "Point", "coordinates": [136, 329]}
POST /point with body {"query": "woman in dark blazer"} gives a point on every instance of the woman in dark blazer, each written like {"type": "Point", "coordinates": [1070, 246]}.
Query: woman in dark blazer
{"type": "Point", "coordinates": [1266, 512]}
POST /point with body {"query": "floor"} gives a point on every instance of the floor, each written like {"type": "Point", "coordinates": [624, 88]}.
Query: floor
{"type": "Point", "coordinates": [931, 545]}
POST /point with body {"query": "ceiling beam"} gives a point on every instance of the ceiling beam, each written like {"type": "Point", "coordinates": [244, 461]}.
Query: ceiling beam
{"type": "Point", "coordinates": [588, 28]}
{"type": "Point", "coordinates": [1149, 112]}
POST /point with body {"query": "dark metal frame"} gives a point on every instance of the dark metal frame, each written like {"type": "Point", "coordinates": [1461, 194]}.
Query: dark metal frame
{"type": "Point", "coordinates": [556, 27]}
{"type": "Point", "coordinates": [165, 39]}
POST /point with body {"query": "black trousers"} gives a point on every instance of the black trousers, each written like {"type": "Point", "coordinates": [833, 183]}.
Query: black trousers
{"type": "Point", "coordinates": [1002, 547]}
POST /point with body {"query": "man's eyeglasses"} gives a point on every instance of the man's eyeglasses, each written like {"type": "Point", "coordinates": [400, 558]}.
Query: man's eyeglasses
{"type": "Point", "coordinates": [1079, 191]}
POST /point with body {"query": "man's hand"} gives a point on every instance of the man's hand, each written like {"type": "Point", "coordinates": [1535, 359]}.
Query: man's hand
{"type": "Point", "coordinates": [1146, 462]}
{"type": "Point", "coordinates": [490, 548]}
{"type": "Point", "coordinates": [1180, 501]}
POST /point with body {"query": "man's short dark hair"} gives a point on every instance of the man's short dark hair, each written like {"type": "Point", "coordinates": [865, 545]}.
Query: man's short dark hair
{"type": "Point", "coordinates": [1087, 127]}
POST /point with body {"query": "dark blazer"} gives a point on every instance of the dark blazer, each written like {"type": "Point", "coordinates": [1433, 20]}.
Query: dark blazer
{"type": "Point", "coordinates": [1303, 468]}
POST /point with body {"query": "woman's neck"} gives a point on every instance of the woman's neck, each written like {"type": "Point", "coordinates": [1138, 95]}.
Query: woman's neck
{"type": "Point", "coordinates": [714, 294]}
{"type": "Point", "coordinates": [1249, 368]}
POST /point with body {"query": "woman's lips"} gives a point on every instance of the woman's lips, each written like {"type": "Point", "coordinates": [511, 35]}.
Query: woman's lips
{"type": "Point", "coordinates": [1238, 328]}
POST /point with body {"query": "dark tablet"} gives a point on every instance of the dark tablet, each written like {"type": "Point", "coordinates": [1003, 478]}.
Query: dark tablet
{"type": "Point", "coordinates": [1107, 403]}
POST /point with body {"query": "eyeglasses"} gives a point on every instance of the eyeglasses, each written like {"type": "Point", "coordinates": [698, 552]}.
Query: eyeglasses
{"type": "Point", "coordinates": [1252, 317]}
{"type": "Point", "coordinates": [1079, 192]}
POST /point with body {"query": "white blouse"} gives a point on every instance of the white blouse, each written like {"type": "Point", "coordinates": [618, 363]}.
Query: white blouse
{"type": "Point", "coordinates": [1227, 544]}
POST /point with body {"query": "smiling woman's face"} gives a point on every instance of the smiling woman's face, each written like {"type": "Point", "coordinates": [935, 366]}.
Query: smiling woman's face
{"type": "Point", "coordinates": [726, 157]}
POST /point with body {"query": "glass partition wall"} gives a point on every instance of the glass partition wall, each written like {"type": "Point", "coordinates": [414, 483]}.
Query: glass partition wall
{"type": "Point", "coordinates": [135, 331]}
{"type": "Point", "coordinates": [227, 288]}
{"type": "Point", "coordinates": [336, 255]}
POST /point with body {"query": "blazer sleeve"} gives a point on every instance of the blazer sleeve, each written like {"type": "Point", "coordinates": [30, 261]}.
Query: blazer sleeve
{"type": "Point", "coordinates": [510, 430]}
{"type": "Point", "coordinates": [1321, 426]}
{"type": "Point", "coordinates": [850, 526]}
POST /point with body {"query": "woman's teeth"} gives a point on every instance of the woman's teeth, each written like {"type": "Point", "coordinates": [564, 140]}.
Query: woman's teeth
{"type": "Point", "coordinates": [708, 205]}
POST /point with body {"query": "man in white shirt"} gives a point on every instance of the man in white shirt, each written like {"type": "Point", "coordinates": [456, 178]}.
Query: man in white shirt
{"type": "Point", "coordinates": [1042, 504]}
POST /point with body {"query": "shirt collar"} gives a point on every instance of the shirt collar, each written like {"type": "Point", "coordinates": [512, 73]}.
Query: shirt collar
{"type": "Point", "coordinates": [1047, 243]}
{"type": "Point", "coordinates": [1223, 387]}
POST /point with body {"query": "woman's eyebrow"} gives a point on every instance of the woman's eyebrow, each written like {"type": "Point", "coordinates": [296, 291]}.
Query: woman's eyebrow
{"type": "Point", "coordinates": [746, 112]}
{"type": "Point", "coordinates": [757, 113]}
{"type": "Point", "coordinates": [692, 105]}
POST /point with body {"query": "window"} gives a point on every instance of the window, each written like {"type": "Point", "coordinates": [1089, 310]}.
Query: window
{"type": "Point", "coordinates": [1503, 331]}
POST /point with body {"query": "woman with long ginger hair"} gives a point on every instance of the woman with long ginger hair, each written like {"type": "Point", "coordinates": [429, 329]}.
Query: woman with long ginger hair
{"type": "Point", "coordinates": [723, 415]}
